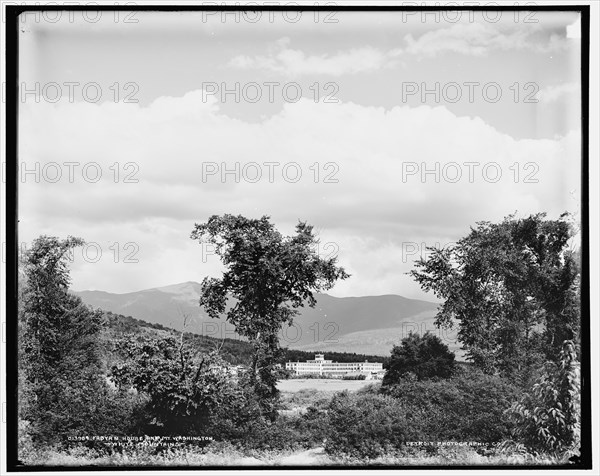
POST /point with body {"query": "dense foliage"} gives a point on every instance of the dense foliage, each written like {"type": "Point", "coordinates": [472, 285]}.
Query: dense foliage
{"type": "Point", "coordinates": [233, 351]}
{"type": "Point", "coordinates": [368, 425]}
{"type": "Point", "coordinates": [548, 418]}
{"type": "Point", "coordinates": [270, 276]}
{"type": "Point", "coordinates": [466, 407]}
{"type": "Point", "coordinates": [189, 393]}
{"type": "Point", "coordinates": [182, 388]}
{"type": "Point", "coordinates": [424, 356]}
{"type": "Point", "coordinates": [512, 287]}
{"type": "Point", "coordinates": [63, 391]}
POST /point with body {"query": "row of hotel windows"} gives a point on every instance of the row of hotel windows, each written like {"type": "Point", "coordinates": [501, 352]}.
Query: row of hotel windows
{"type": "Point", "coordinates": [340, 366]}
{"type": "Point", "coordinates": [319, 364]}
{"type": "Point", "coordinates": [292, 364]}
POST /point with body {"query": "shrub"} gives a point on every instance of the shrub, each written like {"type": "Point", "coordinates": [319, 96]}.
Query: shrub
{"type": "Point", "coordinates": [306, 376]}
{"type": "Point", "coordinates": [238, 415]}
{"type": "Point", "coordinates": [548, 417]}
{"type": "Point", "coordinates": [468, 407]}
{"type": "Point", "coordinates": [280, 434]}
{"type": "Point", "coordinates": [354, 377]}
{"type": "Point", "coordinates": [314, 425]}
{"type": "Point", "coordinates": [182, 390]}
{"type": "Point", "coordinates": [424, 356]}
{"type": "Point", "coordinates": [305, 398]}
{"type": "Point", "coordinates": [372, 388]}
{"type": "Point", "coordinates": [240, 423]}
{"type": "Point", "coordinates": [367, 426]}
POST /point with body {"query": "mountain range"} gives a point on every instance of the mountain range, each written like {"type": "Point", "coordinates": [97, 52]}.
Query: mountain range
{"type": "Point", "coordinates": [366, 325]}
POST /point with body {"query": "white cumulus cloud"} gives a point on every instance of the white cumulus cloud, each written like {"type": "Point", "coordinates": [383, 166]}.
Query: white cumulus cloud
{"type": "Point", "coordinates": [371, 180]}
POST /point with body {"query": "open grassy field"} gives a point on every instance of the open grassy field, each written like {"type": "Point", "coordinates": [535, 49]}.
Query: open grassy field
{"type": "Point", "coordinates": [323, 385]}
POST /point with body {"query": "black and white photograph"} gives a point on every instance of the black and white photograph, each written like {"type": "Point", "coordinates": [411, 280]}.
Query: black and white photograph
{"type": "Point", "coordinates": [306, 235]}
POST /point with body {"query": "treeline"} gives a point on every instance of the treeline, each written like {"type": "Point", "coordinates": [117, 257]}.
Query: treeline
{"type": "Point", "coordinates": [302, 355]}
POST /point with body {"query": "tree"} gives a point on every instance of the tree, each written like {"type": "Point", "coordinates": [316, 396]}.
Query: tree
{"type": "Point", "coordinates": [426, 357]}
{"type": "Point", "coordinates": [59, 336]}
{"type": "Point", "coordinates": [513, 288]}
{"type": "Point", "coordinates": [270, 276]}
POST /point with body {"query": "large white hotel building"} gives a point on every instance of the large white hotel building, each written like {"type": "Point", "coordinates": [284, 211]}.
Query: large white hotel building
{"type": "Point", "coordinates": [335, 369]}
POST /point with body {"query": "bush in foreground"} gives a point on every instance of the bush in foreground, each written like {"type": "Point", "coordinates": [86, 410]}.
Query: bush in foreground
{"type": "Point", "coordinates": [367, 425]}
{"type": "Point", "coordinates": [548, 418]}
{"type": "Point", "coordinates": [468, 407]}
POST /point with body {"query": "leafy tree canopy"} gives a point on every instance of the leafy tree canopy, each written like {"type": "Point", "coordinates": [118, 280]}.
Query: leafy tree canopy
{"type": "Point", "coordinates": [62, 388]}
{"type": "Point", "coordinates": [269, 275]}
{"type": "Point", "coordinates": [424, 356]}
{"type": "Point", "coordinates": [513, 289]}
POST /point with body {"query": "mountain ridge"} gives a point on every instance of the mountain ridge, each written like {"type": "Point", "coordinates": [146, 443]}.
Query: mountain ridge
{"type": "Point", "coordinates": [351, 323]}
{"type": "Point", "coordinates": [196, 283]}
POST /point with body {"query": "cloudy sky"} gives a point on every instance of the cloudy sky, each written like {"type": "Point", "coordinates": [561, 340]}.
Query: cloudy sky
{"type": "Point", "coordinates": [388, 132]}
